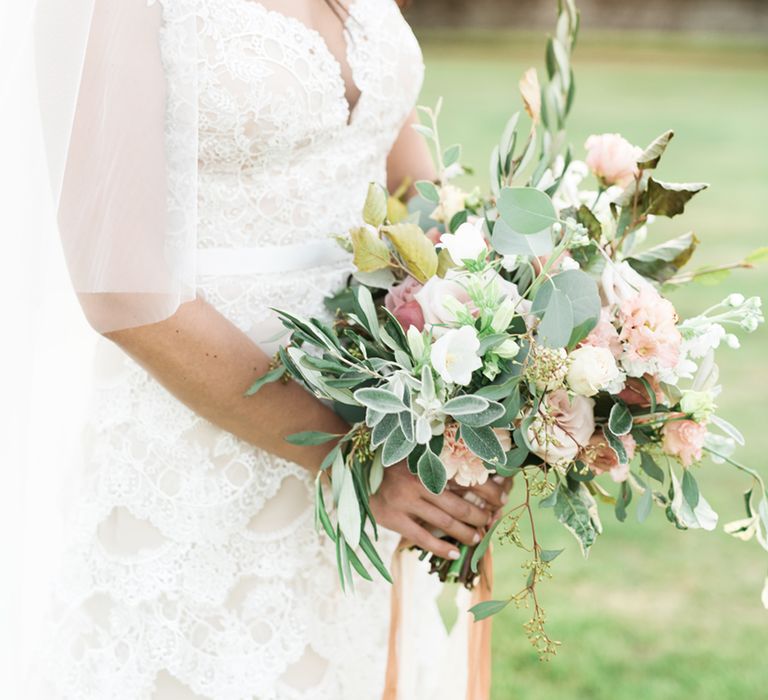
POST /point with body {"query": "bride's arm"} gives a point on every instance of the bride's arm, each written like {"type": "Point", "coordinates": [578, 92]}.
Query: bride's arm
{"type": "Point", "coordinates": [409, 158]}
{"type": "Point", "coordinates": [208, 363]}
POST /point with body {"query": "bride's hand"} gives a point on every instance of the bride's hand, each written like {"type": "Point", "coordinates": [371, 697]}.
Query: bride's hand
{"type": "Point", "coordinates": [402, 504]}
{"type": "Point", "coordinates": [493, 494]}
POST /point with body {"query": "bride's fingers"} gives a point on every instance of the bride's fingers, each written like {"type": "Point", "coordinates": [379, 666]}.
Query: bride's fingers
{"type": "Point", "coordinates": [436, 517]}
{"type": "Point", "coordinates": [459, 508]}
{"type": "Point", "coordinates": [492, 492]}
{"type": "Point", "coordinates": [426, 540]}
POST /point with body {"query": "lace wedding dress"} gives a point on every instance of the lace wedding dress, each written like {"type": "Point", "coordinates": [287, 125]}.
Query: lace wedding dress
{"type": "Point", "coordinates": [195, 569]}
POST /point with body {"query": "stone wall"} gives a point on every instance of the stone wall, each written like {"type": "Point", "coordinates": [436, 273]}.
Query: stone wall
{"type": "Point", "coordinates": [681, 15]}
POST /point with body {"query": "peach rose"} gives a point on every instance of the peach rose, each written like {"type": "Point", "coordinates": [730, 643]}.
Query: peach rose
{"type": "Point", "coordinates": [461, 464]}
{"type": "Point", "coordinates": [564, 428]}
{"type": "Point", "coordinates": [612, 159]}
{"type": "Point", "coordinates": [684, 440]}
{"type": "Point", "coordinates": [601, 458]}
{"type": "Point", "coordinates": [401, 302]}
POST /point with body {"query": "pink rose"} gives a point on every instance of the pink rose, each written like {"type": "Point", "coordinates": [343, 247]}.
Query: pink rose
{"type": "Point", "coordinates": [461, 464]}
{"type": "Point", "coordinates": [431, 298]}
{"type": "Point", "coordinates": [635, 393]}
{"type": "Point", "coordinates": [604, 334]}
{"type": "Point", "coordinates": [564, 428]}
{"type": "Point", "coordinates": [684, 440]}
{"type": "Point", "coordinates": [612, 159]}
{"type": "Point", "coordinates": [649, 331]}
{"type": "Point", "coordinates": [401, 302]}
{"type": "Point", "coordinates": [601, 458]}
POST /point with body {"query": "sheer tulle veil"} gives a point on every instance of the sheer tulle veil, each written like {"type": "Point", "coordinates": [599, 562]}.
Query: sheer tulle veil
{"type": "Point", "coordinates": [98, 173]}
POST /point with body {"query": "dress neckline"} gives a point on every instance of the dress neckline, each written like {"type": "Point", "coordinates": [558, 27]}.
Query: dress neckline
{"type": "Point", "coordinates": [350, 108]}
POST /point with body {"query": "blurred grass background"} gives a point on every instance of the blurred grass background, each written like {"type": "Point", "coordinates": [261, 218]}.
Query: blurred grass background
{"type": "Point", "coordinates": [655, 614]}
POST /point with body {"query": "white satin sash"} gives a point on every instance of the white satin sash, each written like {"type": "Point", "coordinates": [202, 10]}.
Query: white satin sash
{"type": "Point", "coordinates": [263, 260]}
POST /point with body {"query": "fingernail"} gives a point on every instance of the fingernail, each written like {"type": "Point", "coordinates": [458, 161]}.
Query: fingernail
{"type": "Point", "coordinates": [498, 479]}
{"type": "Point", "coordinates": [454, 554]}
{"type": "Point", "coordinates": [504, 497]}
{"type": "Point", "coordinates": [476, 538]}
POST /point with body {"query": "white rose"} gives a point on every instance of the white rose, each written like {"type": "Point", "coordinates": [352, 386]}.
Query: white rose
{"type": "Point", "coordinates": [592, 369]}
{"type": "Point", "coordinates": [468, 243]}
{"type": "Point", "coordinates": [455, 355]}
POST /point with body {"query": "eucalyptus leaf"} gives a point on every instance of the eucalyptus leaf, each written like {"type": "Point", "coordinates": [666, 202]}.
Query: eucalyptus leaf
{"type": "Point", "coordinates": [428, 190]}
{"type": "Point", "coordinates": [582, 293]}
{"type": "Point", "coordinates": [556, 327]}
{"type": "Point", "coordinates": [526, 210]}
{"type": "Point", "coordinates": [508, 242]}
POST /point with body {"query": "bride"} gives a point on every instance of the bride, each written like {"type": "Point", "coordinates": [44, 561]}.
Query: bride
{"type": "Point", "coordinates": [204, 173]}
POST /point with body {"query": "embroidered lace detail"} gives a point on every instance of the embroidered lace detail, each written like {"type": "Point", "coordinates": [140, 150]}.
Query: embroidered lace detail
{"type": "Point", "coordinates": [195, 569]}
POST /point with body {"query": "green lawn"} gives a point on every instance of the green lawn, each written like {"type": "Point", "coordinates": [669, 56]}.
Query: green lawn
{"type": "Point", "coordinates": [655, 614]}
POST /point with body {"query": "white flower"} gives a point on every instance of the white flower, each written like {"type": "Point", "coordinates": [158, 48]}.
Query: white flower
{"type": "Point", "coordinates": [455, 355]}
{"type": "Point", "coordinates": [592, 369]}
{"type": "Point", "coordinates": [468, 243]}
{"type": "Point", "coordinates": [569, 264]}
{"type": "Point", "coordinates": [451, 203]}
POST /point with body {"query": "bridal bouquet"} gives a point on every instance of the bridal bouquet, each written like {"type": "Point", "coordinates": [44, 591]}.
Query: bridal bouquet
{"type": "Point", "coordinates": [525, 333]}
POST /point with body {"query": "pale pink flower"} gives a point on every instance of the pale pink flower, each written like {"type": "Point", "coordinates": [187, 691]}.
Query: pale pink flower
{"type": "Point", "coordinates": [604, 334]}
{"type": "Point", "coordinates": [401, 302]}
{"type": "Point", "coordinates": [431, 298]}
{"type": "Point", "coordinates": [601, 458]}
{"type": "Point", "coordinates": [564, 428]}
{"type": "Point", "coordinates": [612, 158]}
{"type": "Point", "coordinates": [684, 440]}
{"type": "Point", "coordinates": [461, 464]}
{"type": "Point", "coordinates": [649, 330]}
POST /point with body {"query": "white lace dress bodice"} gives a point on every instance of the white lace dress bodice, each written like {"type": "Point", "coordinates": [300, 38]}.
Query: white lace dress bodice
{"type": "Point", "coordinates": [195, 569]}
